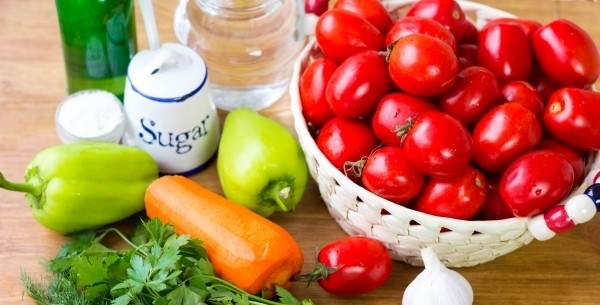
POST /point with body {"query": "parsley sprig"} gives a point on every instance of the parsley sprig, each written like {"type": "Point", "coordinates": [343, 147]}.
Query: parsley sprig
{"type": "Point", "coordinates": [157, 267]}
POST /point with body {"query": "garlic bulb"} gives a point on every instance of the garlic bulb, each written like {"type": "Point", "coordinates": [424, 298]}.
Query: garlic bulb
{"type": "Point", "coordinates": [437, 285]}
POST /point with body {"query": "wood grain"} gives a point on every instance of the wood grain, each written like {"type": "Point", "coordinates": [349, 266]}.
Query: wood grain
{"type": "Point", "coordinates": [563, 270]}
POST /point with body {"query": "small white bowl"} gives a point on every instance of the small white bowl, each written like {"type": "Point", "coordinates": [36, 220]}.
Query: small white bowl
{"type": "Point", "coordinates": [90, 115]}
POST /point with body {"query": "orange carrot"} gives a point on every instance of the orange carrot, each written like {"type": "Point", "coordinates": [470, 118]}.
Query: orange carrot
{"type": "Point", "coordinates": [244, 248]}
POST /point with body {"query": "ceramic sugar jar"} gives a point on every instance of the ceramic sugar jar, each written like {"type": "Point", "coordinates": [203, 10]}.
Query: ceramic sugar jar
{"type": "Point", "coordinates": [169, 110]}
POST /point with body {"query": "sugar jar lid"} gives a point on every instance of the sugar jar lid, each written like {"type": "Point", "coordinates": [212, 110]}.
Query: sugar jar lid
{"type": "Point", "coordinates": [171, 73]}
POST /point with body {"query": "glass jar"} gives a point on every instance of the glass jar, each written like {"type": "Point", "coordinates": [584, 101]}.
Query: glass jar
{"type": "Point", "coordinates": [249, 46]}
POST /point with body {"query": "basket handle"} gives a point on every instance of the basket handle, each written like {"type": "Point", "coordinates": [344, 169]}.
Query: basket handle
{"type": "Point", "coordinates": [564, 217]}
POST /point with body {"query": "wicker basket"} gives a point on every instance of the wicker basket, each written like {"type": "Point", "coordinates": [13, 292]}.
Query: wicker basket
{"type": "Point", "coordinates": [458, 243]}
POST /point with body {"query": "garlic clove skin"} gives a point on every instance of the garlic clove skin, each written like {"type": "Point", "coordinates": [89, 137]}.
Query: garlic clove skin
{"type": "Point", "coordinates": [437, 285]}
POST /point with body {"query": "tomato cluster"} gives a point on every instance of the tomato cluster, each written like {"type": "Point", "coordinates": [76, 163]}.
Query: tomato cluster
{"type": "Point", "coordinates": [426, 110]}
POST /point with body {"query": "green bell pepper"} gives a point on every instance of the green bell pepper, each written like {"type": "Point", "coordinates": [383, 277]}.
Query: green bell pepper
{"type": "Point", "coordinates": [260, 163]}
{"type": "Point", "coordinates": [84, 185]}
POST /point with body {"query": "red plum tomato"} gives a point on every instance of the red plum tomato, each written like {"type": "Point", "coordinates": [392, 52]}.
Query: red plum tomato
{"type": "Point", "coordinates": [526, 94]}
{"type": "Point", "coordinates": [503, 134]}
{"type": "Point", "coordinates": [438, 145]}
{"type": "Point", "coordinates": [345, 140]}
{"type": "Point", "coordinates": [504, 49]}
{"type": "Point", "coordinates": [358, 84]}
{"type": "Point", "coordinates": [340, 34]}
{"type": "Point", "coordinates": [357, 265]}
{"type": "Point", "coordinates": [459, 197]}
{"type": "Point", "coordinates": [567, 54]}
{"type": "Point", "coordinates": [544, 85]}
{"type": "Point", "coordinates": [470, 34]}
{"type": "Point", "coordinates": [447, 12]}
{"type": "Point", "coordinates": [313, 83]}
{"type": "Point", "coordinates": [372, 10]}
{"type": "Point", "coordinates": [528, 26]}
{"type": "Point", "coordinates": [574, 157]}
{"type": "Point", "coordinates": [419, 25]}
{"type": "Point", "coordinates": [387, 173]}
{"type": "Point", "coordinates": [468, 52]}
{"type": "Point", "coordinates": [475, 91]}
{"type": "Point", "coordinates": [493, 207]}
{"type": "Point", "coordinates": [535, 182]}
{"type": "Point", "coordinates": [572, 116]}
{"type": "Point", "coordinates": [422, 65]}
{"type": "Point", "coordinates": [394, 112]}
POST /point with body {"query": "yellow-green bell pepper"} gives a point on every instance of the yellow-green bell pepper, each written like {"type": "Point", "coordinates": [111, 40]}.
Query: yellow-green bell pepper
{"type": "Point", "coordinates": [260, 163]}
{"type": "Point", "coordinates": [84, 185]}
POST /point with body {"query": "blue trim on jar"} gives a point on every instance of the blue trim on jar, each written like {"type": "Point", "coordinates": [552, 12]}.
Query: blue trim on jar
{"type": "Point", "coordinates": [171, 99]}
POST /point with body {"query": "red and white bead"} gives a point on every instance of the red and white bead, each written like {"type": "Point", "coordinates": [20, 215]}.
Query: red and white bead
{"type": "Point", "coordinates": [562, 218]}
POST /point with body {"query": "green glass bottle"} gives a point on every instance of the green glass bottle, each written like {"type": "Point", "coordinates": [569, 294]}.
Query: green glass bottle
{"type": "Point", "coordinates": [98, 42]}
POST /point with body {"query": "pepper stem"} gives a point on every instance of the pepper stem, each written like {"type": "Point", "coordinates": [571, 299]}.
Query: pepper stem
{"type": "Point", "coordinates": [282, 194]}
{"type": "Point", "coordinates": [18, 187]}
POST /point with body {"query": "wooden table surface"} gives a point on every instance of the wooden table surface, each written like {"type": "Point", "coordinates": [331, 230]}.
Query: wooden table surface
{"type": "Point", "coordinates": [563, 270]}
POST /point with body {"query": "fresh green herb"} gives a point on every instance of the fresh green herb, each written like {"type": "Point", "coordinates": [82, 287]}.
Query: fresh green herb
{"type": "Point", "coordinates": [158, 267]}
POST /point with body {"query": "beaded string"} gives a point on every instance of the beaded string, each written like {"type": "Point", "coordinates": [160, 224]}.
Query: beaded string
{"type": "Point", "coordinates": [562, 218]}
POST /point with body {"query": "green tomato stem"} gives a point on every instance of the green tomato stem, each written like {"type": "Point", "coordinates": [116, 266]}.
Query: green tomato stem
{"type": "Point", "coordinates": [355, 167]}
{"type": "Point", "coordinates": [320, 272]}
{"type": "Point", "coordinates": [402, 130]}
